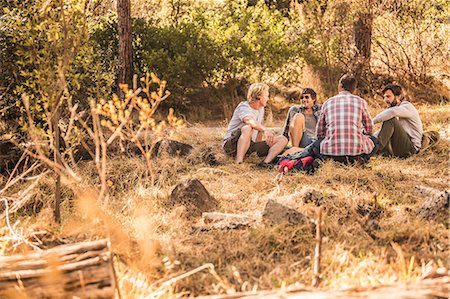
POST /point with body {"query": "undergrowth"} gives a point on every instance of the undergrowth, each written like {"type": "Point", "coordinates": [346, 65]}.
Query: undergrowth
{"type": "Point", "coordinates": [372, 234]}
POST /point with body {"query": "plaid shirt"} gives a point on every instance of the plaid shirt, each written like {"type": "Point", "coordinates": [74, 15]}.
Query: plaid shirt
{"type": "Point", "coordinates": [345, 125]}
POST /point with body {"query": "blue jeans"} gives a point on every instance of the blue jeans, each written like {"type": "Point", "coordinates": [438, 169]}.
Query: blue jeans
{"type": "Point", "coordinates": [305, 141]}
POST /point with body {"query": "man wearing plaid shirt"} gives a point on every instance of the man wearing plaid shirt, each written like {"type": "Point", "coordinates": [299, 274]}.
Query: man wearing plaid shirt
{"type": "Point", "coordinates": [344, 126]}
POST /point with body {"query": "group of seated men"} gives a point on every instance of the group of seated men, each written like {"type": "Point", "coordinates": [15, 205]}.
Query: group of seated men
{"type": "Point", "coordinates": [341, 129]}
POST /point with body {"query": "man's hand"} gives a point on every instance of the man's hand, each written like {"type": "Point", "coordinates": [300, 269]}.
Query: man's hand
{"type": "Point", "coordinates": [269, 137]}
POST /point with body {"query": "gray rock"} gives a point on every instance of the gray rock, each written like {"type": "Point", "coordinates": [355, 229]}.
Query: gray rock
{"type": "Point", "coordinates": [278, 213]}
{"type": "Point", "coordinates": [194, 196]}
{"type": "Point", "coordinates": [9, 156]}
{"type": "Point", "coordinates": [172, 148]}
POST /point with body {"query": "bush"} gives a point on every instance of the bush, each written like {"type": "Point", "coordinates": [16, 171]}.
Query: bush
{"type": "Point", "coordinates": [36, 44]}
{"type": "Point", "coordinates": [205, 47]}
{"type": "Point", "coordinates": [412, 47]}
{"type": "Point", "coordinates": [254, 40]}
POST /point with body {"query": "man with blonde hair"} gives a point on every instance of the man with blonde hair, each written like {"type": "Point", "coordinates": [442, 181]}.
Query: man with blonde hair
{"type": "Point", "coordinates": [245, 131]}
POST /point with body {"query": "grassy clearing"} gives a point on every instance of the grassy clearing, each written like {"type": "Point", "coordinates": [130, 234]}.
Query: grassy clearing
{"type": "Point", "coordinates": [371, 232]}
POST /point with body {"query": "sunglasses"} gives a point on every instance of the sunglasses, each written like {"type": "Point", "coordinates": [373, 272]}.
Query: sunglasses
{"type": "Point", "coordinates": [305, 97]}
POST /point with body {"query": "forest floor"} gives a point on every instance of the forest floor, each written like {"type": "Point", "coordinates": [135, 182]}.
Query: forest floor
{"type": "Point", "coordinates": [373, 230]}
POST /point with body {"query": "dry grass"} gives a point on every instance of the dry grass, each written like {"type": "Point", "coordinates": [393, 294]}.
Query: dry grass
{"type": "Point", "coordinates": [154, 243]}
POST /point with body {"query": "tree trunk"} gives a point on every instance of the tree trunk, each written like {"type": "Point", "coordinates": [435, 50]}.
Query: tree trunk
{"type": "Point", "coordinates": [125, 72]}
{"type": "Point", "coordinates": [56, 157]}
{"type": "Point", "coordinates": [82, 270]}
{"type": "Point", "coordinates": [362, 29]}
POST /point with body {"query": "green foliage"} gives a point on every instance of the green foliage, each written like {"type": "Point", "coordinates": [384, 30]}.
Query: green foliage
{"type": "Point", "coordinates": [46, 54]}
{"type": "Point", "coordinates": [180, 52]}
{"type": "Point", "coordinates": [183, 53]}
{"type": "Point", "coordinates": [326, 29]}
{"type": "Point", "coordinates": [253, 39]}
{"type": "Point", "coordinates": [205, 46]}
{"type": "Point", "coordinates": [194, 44]}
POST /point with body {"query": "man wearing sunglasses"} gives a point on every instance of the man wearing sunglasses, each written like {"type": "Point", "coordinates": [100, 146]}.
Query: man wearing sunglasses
{"type": "Point", "coordinates": [402, 131]}
{"type": "Point", "coordinates": [245, 131]}
{"type": "Point", "coordinates": [301, 121]}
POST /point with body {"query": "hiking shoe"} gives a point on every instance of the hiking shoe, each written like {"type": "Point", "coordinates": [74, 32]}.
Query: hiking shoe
{"type": "Point", "coordinates": [264, 165]}
{"type": "Point", "coordinates": [429, 138]}
{"type": "Point", "coordinates": [314, 166]}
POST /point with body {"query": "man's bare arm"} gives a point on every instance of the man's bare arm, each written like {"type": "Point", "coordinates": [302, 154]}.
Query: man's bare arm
{"type": "Point", "coordinates": [262, 129]}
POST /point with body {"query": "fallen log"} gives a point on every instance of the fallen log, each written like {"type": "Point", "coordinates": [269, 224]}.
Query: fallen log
{"type": "Point", "coordinates": [83, 270]}
{"type": "Point", "coordinates": [435, 205]}
{"type": "Point", "coordinates": [217, 220]}
{"type": "Point", "coordinates": [434, 288]}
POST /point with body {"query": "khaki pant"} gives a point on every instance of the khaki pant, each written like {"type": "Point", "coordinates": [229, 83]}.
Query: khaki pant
{"type": "Point", "coordinates": [394, 141]}
{"type": "Point", "coordinates": [230, 146]}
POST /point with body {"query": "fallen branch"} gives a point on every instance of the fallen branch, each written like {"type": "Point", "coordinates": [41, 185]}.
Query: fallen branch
{"type": "Point", "coordinates": [23, 196]}
{"type": "Point", "coordinates": [14, 234]}
{"type": "Point", "coordinates": [428, 289]}
{"type": "Point", "coordinates": [318, 249]}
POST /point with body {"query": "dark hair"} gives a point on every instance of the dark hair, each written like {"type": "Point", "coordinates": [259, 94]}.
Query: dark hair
{"type": "Point", "coordinates": [348, 82]}
{"type": "Point", "coordinates": [310, 91]}
{"type": "Point", "coordinates": [396, 89]}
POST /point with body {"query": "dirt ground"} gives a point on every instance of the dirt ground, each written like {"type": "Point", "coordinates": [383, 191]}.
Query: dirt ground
{"type": "Point", "coordinates": [373, 229]}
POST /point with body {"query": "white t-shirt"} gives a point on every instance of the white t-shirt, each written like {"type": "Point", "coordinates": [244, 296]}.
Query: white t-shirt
{"type": "Point", "coordinates": [237, 121]}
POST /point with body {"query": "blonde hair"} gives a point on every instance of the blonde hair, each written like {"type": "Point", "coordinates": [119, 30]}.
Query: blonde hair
{"type": "Point", "coordinates": [255, 91]}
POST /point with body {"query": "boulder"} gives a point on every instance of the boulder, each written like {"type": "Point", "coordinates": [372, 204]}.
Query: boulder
{"type": "Point", "coordinates": [209, 158]}
{"type": "Point", "coordinates": [278, 213]}
{"type": "Point", "coordinates": [172, 148]}
{"type": "Point", "coordinates": [314, 196]}
{"type": "Point", "coordinates": [9, 156]}
{"type": "Point", "coordinates": [193, 196]}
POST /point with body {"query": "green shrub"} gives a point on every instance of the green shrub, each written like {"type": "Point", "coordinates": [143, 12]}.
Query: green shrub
{"type": "Point", "coordinates": [40, 43]}
{"type": "Point", "coordinates": [205, 47]}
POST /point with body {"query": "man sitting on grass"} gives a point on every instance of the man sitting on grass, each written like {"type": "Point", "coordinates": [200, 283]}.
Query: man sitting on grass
{"type": "Point", "coordinates": [401, 132]}
{"type": "Point", "coordinates": [245, 131]}
{"type": "Point", "coordinates": [301, 120]}
{"type": "Point", "coordinates": [344, 128]}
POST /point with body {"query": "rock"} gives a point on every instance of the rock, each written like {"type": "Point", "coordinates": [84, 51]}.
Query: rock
{"type": "Point", "coordinates": [194, 196]}
{"type": "Point", "coordinates": [9, 156]}
{"type": "Point", "coordinates": [436, 204]}
{"type": "Point", "coordinates": [209, 158]}
{"type": "Point", "coordinates": [278, 213]}
{"type": "Point", "coordinates": [172, 148]}
{"type": "Point", "coordinates": [314, 196]}
{"type": "Point", "coordinates": [82, 154]}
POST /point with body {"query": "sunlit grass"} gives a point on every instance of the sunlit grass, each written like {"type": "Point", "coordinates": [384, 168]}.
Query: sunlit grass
{"type": "Point", "coordinates": [154, 243]}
